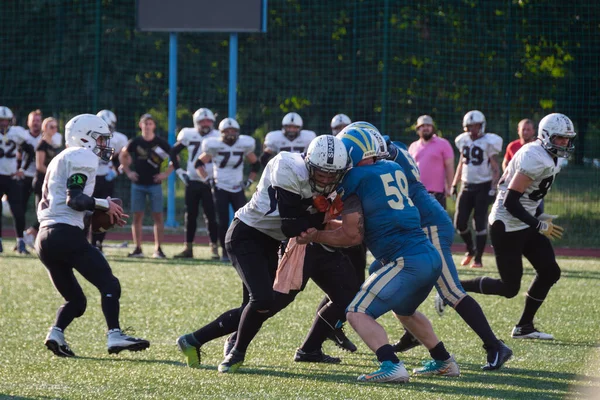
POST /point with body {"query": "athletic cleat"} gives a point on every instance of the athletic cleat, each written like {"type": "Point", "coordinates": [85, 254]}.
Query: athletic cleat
{"type": "Point", "coordinates": [137, 253]}
{"type": "Point", "coordinates": [467, 259]}
{"type": "Point", "coordinates": [232, 362]}
{"type": "Point", "coordinates": [477, 264]}
{"type": "Point", "coordinates": [316, 356]}
{"type": "Point", "coordinates": [387, 372]}
{"type": "Point", "coordinates": [406, 342]}
{"type": "Point", "coordinates": [158, 254]}
{"type": "Point", "coordinates": [193, 354]}
{"type": "Point", "coordinates": [56, 343]}
{"type": "Point", "coordinates": [186, 253]}
{"type": "Point", "coordinates": [442, 368]}
{"type": "Point", "coordinates": [340, 339]}
{"type": "Point", "coordinates": [118, 341]}
{"type": "Point", "coordinates": [528, 331]}
{"type": "Point", "coordinates": [22, 248]}
{"type": "Point", "coordinates": [497, 356]}
{"type": "Point", "coordinates": [439, 305]}
{"type": "Point", "coordinates": [225, 259]}
{"type": "Point", "coordinates": [229, 344]}
{"type": "Point", "coordinates": [214, 249]}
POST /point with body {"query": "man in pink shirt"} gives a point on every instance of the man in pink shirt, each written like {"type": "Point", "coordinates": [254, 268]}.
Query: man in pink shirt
{"type": "Point", "coordinates": [435, 159]}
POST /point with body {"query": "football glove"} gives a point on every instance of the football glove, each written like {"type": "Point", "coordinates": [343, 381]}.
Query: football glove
{"type": "Point", "coordinates": [112, 174]}
{"type": "Point", "coordinates": [551, 231]}
{"type": "Point", "coordinates": [336, 208]}
{"type": "Point", "coordinates": [183, 175]}
{"type": "Point", "coordinates": [247, 183]}
{"type": "Point", "coordinates": [321, 203]}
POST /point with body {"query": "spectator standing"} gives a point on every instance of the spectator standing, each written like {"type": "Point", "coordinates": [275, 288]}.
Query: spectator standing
{"type": "Point", "coordinates": [526, 131]}
{"type": "Point", "coordinates": [435, 159]}
{"type": "Point", "coordinates": [146, 152]}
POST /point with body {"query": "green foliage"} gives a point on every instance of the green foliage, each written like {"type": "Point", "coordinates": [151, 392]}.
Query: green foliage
{"type": "Point", "coordinates": [163, 299]}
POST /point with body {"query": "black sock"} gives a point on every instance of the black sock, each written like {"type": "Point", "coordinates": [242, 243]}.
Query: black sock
{"type": "Point", "coordinates": [472, 314]}
{"type": "Point", "coordinates": [439, 352]}
{"type": "Point", "coordinates": [110, 309]}
{"type": "Point", "coordinates": [531, 307]}
{"type": "Point", "coordinates": [225, 324]}
{"type": "Point", "coordinates": [468, 239]}
{"type": "Point", "coordinates": [64, 316]}
{"type": "Point", "coordinates": [472, 285]}
{"type": "Point", "coordinates": [386, 353]}
{"type": "Point", "coordinates": [480, 243]}
{"type": "Point", "coordinates": [250, 324]}
{"type": "Point", "coordinates": [322, 303]}
{"type": "Point", "coordinates": [325, 321]}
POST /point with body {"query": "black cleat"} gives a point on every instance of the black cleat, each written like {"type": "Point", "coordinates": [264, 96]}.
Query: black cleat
{"type": "Point", "coordinates": [497, 356]}
{"type": "Point", "coordinates": [316, 356]}
{"type": "Point", "coordinates": [229, 344]}
{"type": "Point", "coordinates": [406, 342]}
{"type": "Point", "coordinates": [340, 339]}
{"type": "Point", "coordinates": [232, 362]}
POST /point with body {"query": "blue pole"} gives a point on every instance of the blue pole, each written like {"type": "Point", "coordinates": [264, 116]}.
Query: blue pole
{"type": "Point", "coordinates": [265, 10]}
{"type": "Point", "coordinates": [233, 60]}
{"type": "Point", "coordinates": [172, 121]}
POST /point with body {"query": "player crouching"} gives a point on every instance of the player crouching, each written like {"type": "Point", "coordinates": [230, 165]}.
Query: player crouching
{"type": "Point", "coordinates": [61, 242]}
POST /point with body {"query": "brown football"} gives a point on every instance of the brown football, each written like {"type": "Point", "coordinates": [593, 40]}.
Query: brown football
{"type": "Point", "coordinates": [101, 220]}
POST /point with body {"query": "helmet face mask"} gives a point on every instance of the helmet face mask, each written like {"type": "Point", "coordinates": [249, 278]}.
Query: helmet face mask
{"type": "Point", "coordinates": [553, 127]}
{"type": "Point", "coordinates": [327, 162]}
{"type": "Point", "coordinates": [90, 132]}
{"type": "Point", "coordinates": [6, 119]}
{"type": "Point", "coordinates": [230, 131]}
{"type": "Point", "coordinates": [339, 122]}
{"type": "Point", "coordinates": [360, 141]}
{"type": "Point", "coordinates": [292, 125]}
{"type": "Point", "coordinates": [471, 119]}
{"type": "Point", "coordinates": [204, 120]}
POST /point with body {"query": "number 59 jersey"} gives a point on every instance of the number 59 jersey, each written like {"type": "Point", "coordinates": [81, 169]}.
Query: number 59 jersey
{"type": "Point", "coordinates": [228, 161]}
{"type": "Point", "coordinates": [535, 162]}
{"type": "Point", "coordinates": [475, 156]}
{"type": "Point", "coordinates": [192, 140]}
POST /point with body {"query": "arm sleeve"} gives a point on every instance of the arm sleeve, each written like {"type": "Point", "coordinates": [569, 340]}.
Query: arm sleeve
{"type": "Point", "coordinates": [514, 206]}
{"type": "Point", "coordinates": [175, 150]}
{"type": "Point", "coordinates": [30, 151]}
{"type": "Point", "coordinates": [264, 158]}
{"type": "Point", "coordinates": [76, 199]}
{"type": "Point", "coordinates": [294, 217]}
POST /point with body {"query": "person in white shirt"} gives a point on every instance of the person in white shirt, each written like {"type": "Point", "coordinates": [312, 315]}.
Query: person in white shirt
{"type": "Point", "coordinates": [518, 230]}
{"type": "Point", "coordinates": [61, 243]}
{"type": "Point", "coordinates": [478, 171]}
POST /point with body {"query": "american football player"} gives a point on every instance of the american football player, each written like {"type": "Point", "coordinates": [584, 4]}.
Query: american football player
{"type": "Point", "coordinates": [478, 170]}
{"type": "Point", "coordinates": [197, 190]}
{"type": "Point", "coordinates": [107, 170]}
{"type": "Point", "coordinates": [227, 154]}
{"type": "Point", "coordinates": [61, 242]}
{"type": "Point", "coordinates": [517, 230]}
{"type": "Point", "coordinates": [282, 207]}
{"type": "Point", "coordinates": [339, 122]}
{"type": "Point", "coordinates": [290, 138]}
{"type": "Point", "coordinates": [378, 209]}
{"type": "Point", "coordinates": [13, 138]}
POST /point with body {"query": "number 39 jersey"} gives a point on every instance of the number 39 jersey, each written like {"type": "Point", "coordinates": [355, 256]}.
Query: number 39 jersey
{"type": "Point", "coordinates": [228, 161]}
{"type": "Point", "coordinates": [535, 162]}
{"type": "Point", "coordinates": [9, 144]}
{"type": "Point", "coordinates": [475, 156]}
{"type": "Point", "coordinates": [286, 171]}
{"type": "Point", "coordinates": [192, 140]}
{"type": "Point", "coordinates": [53, 208]}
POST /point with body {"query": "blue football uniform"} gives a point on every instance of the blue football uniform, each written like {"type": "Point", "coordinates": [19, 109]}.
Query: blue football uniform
{"type": "Point", "coordinates": [394, 235]}
{"type": "Point", "coordinates": [435, 222]}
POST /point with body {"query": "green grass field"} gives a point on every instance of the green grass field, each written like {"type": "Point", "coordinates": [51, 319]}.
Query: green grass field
{"type": "Point", "coordinates": [164, 299]}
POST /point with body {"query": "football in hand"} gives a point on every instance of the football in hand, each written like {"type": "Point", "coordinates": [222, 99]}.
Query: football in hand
{"type": "Point", "coordinates": [101, 220]}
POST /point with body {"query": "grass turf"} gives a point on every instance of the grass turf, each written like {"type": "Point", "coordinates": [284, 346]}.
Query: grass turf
{"type": "Point", "coordinates": [163, 299]}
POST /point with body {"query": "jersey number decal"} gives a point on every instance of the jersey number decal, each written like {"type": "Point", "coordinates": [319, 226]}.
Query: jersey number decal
{"type": "Point", "coordinates": [473, 155]}
{"type": "Point", "coordinates": [227, 154]}
{"type": "Point", "coordinates": [542, 189]}
{"type": "Point", "coordinates": [10, 153]}
{"type": "Point", "coordinates": [415, 168]}
{"type": "Point", "coordinates": [398, 191]}
{"type": "Point", "coordinates": [293, 149]}
{"type": "Point", "coordinates": [195, 146]}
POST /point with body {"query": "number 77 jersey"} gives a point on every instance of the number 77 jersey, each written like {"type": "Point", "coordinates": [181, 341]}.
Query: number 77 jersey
{"type": "Point", "coordinates": [535, 162]}
{"type": "Point", "coordinates": [228, 161]}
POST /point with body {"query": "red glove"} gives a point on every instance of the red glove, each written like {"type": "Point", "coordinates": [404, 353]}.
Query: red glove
{"type": "Point", "coordinates": [321, 203]}
{"type": "Point", "coordinates": [336, 208]}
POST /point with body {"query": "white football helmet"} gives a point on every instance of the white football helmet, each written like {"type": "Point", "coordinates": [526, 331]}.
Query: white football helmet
{"type": "Point", "coordinates": [199, 115]}
{"type": "Point", "coordinates": [327, 161]}
{"type": "Point", "coordinates": [339, 122]}
{"type": "Point", "coordinates": [84, 130]}
{"type": "Point", "coordinates": [292, 119]}
{"type": "Point", "coordinates": [109, 117]}
{"type": "Point", "coordinates": [474, 117]}
{"type": "Point", "coordinates": [556, 125]}
{"type": "Point", "coordinates": [6, 118]}
{"type": "Point", "coordinates": [229, 123]}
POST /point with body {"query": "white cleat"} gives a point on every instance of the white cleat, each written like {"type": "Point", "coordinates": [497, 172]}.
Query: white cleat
{"type": "Point", "coordinates": [56, 343]}
{"type": "Point", "coordinates": [118, 341]}
{"type": "Point", "coordinates": [439, 305]}
{"type": "Point", "coordinates": [528, 331]}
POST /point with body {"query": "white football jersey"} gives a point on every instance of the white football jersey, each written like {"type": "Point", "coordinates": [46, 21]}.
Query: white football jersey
{"type": "Point", "coordinates": [287, 171]}
{"type": "Point", "coordinates": [535, 162]}
{"type": "Point", "coordinates": [475, 156]}
{"type": "Point", "coordinates": [117, 142]}
{"type": "Point", "coordinates": [192, 140]}
{"type": "Point", "coordinates": [53, 208]}
{"type": "Point", "coordinates": [9, 145]}
{"type": "Point", "coordinates": [228, 161]}
{"type": "Point", "coordinates": [33, 141]}
{"type": "Point", "coordinates": [276, 141]}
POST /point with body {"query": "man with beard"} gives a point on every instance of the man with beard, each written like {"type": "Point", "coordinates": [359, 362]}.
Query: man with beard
{"type": "Point", "coordinates": [435, 159]}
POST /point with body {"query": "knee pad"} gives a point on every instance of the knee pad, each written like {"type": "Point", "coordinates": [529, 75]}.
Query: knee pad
{"type": "Point", "coordinates": [112, 289]}
{"type": "Point", "coordinates": [78, 306]}
{"type": "Point", "coordinates": [551, 275]}
{"type": "Point", "coordinates": [511, 291]}
{"type": "Point", "coordinates": [261, 305]}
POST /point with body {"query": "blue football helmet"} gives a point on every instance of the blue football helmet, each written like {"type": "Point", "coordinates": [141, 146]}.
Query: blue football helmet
{"type": "Point", "coordinates": [360, 142]}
